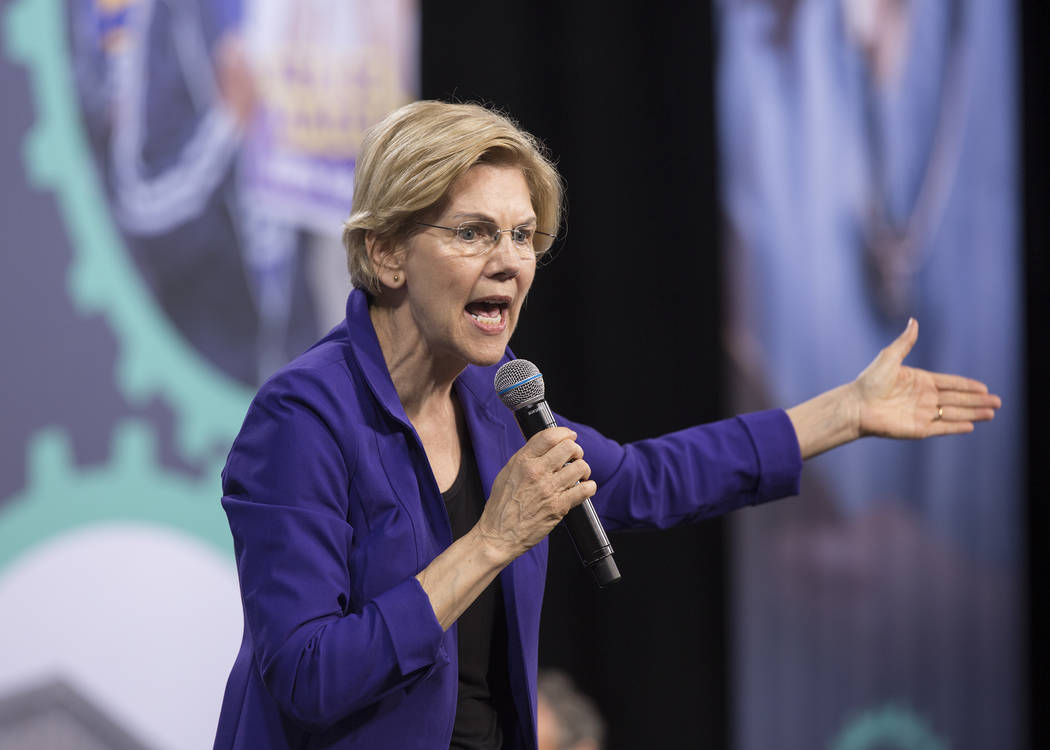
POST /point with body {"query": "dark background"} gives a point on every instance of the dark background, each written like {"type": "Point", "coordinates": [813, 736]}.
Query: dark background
{"type": "Point", "coordinates": [622, 94]}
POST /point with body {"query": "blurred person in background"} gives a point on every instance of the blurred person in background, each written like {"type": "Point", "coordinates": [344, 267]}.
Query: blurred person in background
{"type": "Point", "coordinates": [869, 168]}
{"type": "Point", "coordinates": [227, 133]}
{"type": "Point", "coordinates": [566, 719]}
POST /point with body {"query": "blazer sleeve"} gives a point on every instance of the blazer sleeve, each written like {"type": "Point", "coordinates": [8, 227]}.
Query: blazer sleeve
{"type": "Point", "coordinates": [285, 489]}
{"type": "Point", "coordinates": [694, 473]}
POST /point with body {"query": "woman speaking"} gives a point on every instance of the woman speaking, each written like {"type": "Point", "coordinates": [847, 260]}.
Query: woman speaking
{"type": "Point", "coordinates": [388, 517]}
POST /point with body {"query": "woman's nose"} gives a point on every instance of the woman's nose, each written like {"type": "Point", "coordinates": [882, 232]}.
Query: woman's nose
{"type": "Point", "coordinates": [505, 257]}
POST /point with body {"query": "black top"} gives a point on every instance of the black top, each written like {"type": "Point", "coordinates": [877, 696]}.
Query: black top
{"type": "Point", "coordinates": [484, 688]}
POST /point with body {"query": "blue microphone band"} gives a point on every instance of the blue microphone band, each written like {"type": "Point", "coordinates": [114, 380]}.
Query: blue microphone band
{"type": "Point", "coordinates": [520, 383]}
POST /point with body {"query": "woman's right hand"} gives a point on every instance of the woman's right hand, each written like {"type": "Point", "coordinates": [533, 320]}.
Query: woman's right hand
{"type": "Point", "coordinates": [537, 487]}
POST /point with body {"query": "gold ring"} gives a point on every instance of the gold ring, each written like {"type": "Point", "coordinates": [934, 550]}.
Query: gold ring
{"type": "Point", "coordinates": [940, 413]}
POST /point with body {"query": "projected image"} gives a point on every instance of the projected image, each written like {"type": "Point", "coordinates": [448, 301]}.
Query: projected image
{"type": "Point", "coordinates": [227, 132]}
{"type": "Point", "coordinates": [164, 155]}
{"type": "Point", "coordinates": [869, 175]}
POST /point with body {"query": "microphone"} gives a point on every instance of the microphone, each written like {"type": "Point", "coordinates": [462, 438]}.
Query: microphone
{"type": "Point", "coordinates": [520, 386]}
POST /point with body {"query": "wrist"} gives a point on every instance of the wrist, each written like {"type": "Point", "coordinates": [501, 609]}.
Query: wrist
{"type": "Point", "coordinates": [852, 404]}
{"type": "Point", "coordinates": [491, 549]}
{"type": "Point", "coordinates": [826, 421]}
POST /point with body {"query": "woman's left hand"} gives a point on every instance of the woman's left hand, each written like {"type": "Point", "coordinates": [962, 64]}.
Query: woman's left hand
{"type": "Point", "coordinates": [897, 401]}
{"type": "Point", "coordinates": [891, 400]}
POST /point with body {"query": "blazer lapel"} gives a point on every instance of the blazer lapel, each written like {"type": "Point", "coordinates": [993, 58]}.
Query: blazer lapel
{"type": "Point", "coordinates": [412, 481]}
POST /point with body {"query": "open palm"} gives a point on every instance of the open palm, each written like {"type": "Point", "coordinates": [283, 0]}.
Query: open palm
{"type": "Point", "coordinates": [905, 402]}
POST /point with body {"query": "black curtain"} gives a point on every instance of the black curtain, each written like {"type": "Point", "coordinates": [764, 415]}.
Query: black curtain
{"type": "Point", "coordinates": [624, 322]}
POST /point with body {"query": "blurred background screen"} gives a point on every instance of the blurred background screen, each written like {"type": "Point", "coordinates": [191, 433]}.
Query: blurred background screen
{"type": "Point", "coordinates": [870, 173]}
{"type": "Point", "coordinates": [175, 177]}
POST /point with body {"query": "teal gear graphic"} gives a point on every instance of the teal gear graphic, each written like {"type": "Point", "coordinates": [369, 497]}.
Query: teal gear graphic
{"type": "Point", "coordinates": [131, 487]}
{"type": "Point", "coordinates": [152, 359]}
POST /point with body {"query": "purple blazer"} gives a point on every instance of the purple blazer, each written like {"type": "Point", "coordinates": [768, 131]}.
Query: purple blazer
{"type": "Point", "coordinates": [334, 510]}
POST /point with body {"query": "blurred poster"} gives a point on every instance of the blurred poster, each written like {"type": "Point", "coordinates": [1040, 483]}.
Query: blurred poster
{"type": "Point", "coordinates": [326, 71]}
{"type": "Point", "coordinates": [175, 177]}
{"type": "Point", "coordinates": [869, 167]}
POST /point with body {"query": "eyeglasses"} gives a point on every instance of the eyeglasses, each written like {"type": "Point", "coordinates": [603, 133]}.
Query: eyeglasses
{"type": "Point", "coordinates": [479, 237]}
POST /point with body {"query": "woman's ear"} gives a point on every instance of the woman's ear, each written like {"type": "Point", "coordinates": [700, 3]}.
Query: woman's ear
{"type": "Point", "coordinates": [387, 260]}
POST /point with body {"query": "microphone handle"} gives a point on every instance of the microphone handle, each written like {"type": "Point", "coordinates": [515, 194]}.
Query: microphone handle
{"type": "Point", "coordinates": [584, 526]}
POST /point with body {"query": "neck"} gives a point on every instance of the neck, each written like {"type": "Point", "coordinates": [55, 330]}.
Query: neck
{"type": "Point", "coordinates": [423, 380]}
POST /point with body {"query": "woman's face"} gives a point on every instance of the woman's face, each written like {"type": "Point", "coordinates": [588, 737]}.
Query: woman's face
{"type": "Point", "coordinates": [466, 308]}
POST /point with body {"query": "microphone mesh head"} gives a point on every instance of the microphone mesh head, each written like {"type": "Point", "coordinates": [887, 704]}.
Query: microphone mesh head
{"type": "Point", "coordinates": [518, 383]}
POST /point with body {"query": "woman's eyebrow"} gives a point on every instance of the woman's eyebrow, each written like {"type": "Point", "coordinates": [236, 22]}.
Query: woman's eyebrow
{"type": "Point", "coordinates": [485, 217]}
{"type": "Point", "coordinates": [473, 215]}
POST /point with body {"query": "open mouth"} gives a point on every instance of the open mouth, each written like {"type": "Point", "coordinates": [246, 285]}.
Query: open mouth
{"type": "Point", "coordinates": [489, 313]}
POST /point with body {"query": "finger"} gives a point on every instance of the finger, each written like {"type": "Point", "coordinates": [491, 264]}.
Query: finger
{"type": "Point", "coordinates": [970, 399]}
{"type": "Point", "coordinates": [943, 427]}
{"type": "Point", "coordinates": [540, 443]}
{"type": "Point", "coordinates": [560, 454]}
{"type": "Point", "coordinates": [902, 345]}
{"type": "Point", "coordinates": [578, 493]}
{"type": "Point", "coordinates": [571, 473]}
{"type": "Point", "coordinates": [946, 382]}
{"type": "Point", "coordinates": [965, 414]}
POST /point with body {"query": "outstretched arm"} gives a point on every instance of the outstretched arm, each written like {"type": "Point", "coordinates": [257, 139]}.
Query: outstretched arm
{"type": "Point", "coordinates": [889, 399]}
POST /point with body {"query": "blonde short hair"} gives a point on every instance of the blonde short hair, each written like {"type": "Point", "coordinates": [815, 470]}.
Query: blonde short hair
{"type": "Point", "coordinates": [410, 159]}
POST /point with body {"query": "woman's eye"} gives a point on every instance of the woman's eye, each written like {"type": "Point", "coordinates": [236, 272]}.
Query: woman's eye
{"type": "Point", "coordinates": [468, 234]}
{"type": "Point", "coordinates": [522, 235]}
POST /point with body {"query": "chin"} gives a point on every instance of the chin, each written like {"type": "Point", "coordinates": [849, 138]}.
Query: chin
{"type": "Point", "coordinates": [488, 359]}
{"type": "Point", "coordinates": [488, 354]}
